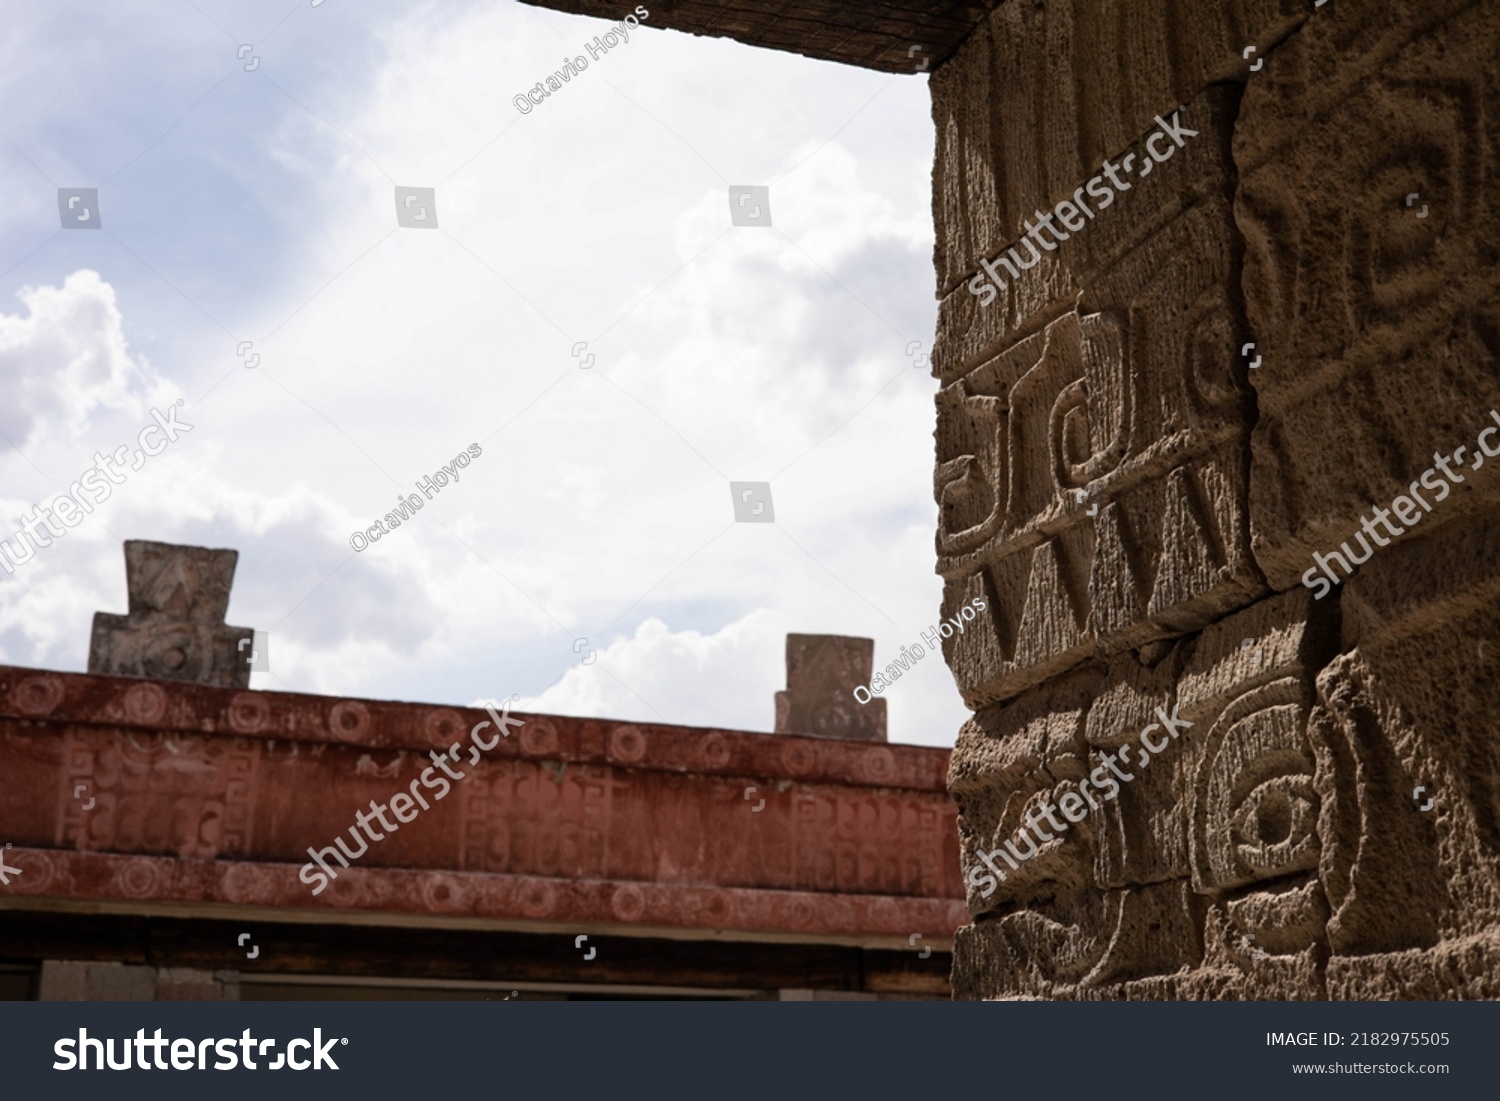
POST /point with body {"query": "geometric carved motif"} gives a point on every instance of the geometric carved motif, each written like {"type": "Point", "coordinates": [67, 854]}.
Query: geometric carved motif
{"type": "Point", "coordinates": [854, 844]}
{"type": "Point", "coordinates": [1253, 808]}
{"type": "Point", "coordinates": [159, 793]}
{"type": "Point", "coordinates": [524, 818]}
{"type": "Point", "coordinates": [1135, 398]}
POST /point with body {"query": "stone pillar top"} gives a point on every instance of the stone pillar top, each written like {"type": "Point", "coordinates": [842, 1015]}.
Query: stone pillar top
{"type": "Point", "coordinates": [822, 672]}
{"type": "Point", "coordinates": [175, 630]}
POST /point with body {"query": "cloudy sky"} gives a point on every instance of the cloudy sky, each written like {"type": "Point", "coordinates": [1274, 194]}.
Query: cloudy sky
{"type": "Point", "coordinates": [252, 199]}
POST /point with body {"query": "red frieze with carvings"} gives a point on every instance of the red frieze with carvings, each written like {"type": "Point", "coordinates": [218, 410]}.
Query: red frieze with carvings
{"type": "Point", "coordinates": [135, 791]}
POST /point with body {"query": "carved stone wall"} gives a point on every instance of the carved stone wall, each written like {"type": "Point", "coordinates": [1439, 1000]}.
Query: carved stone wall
{"type": "Point", "coordinates": [1138, 498]}
{"type": "Point", "coordinates": [137, 794]}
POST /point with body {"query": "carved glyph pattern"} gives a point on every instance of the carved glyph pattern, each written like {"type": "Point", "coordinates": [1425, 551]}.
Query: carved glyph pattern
{"type": "Point", "coordinates": [845, 843]}
{"type": "Point", "coordinates": [1133, 399]}
{"type": "Point", "coordinates": [527, 818]}
{"type": "Point", "coordinates": [160, 793]}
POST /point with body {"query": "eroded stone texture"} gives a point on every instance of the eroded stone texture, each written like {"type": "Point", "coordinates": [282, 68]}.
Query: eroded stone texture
{"type": "Point", "coordinates": [822, 672]}
{"type": "Point", "coordinates": [1333, 210]}
{"type": "Point", "coordinates": [1121, 387]}
{"type": "Point", "coordinates": [175, 627]}
{"type": "Point", "coordinates": [1208, 860]}
{"type": "Point", "coordinates": [1372, 234]}
{"type": "Point", "coordinates": [1035, 100]}
{"type": "Point", "coordinates": [1413, 705]}
{"type": "Point", "coordinates": [77, 981]}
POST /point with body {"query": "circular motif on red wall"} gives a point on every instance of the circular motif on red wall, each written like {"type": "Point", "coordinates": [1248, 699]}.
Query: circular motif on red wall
{"type": "Point", "coordinates": [248, 883]}
{"type": "Point", "coordinates": [627, 743]}
{"type": "Point", "coordinates": [714, 749]}
{"type": "Point", "coordinates": [538, 899]}
{"type": "Point", "coordinates": [883, 916]}
{"type": "Point", "coordinates": [875, 765]}
{"type": "Point", "coordinates": [799, 757]}
{"type": "Point", "coordinates": [37, 866]}
{"type": "Point", "coordinates": [349, 720]}
{"type": "Point", "coordinates": [628, 902]}
{"type": "Point", "coordinates": [145, 703]}
{"type": "Point", "coordinates": [538, 738]}
{"type": "Point", "coordinates": [346, 890]}
{"type": "Point", "coordinates": [249, 713]}
{"type": "Point", "coordinates": [716, 910]}
{"type": "Point", "coordinates": [444, 726]}
{"type": "Point", "coordinates": [442, 893]}
{"type": "Point", "coordinates": [138, 878]}
{"type": "Point", "coordinates": [37, 695]}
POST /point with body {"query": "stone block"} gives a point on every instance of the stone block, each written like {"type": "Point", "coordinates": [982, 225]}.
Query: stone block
{"type": "Point", "coordinates": [1141, 833]}
{"type": "Point", "coordinates": [175, 627]}
{"type": "Point", "coordinates": [1370, 282]}
{"type": "Point", "coordinates": [1135, 399]}
{"type": "Point", "coordinates": [1466, 969]}
{"type": "Point", "coordinates": [1076, 942]}
{"type": "Point", "coordinates": [1199, 170]}
{"type": "Point", "coordinates": [1006, 761]}
{"type": "Point", "coordinates": [903, 37]}
{"type": "Point", "coordinates": [822, 672]}
{"type": "Point", "coordinates": [1032, 103]}
{"type": "Point", "coordinates": [189, 984]}
{"type": "Point", "coordinates": [1412, 705]}
{"type": "Point", "coordinates": [76, 981]}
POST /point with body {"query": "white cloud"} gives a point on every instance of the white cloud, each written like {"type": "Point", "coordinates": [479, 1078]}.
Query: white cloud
{"type": "Point", "coordinates": [67, 356]}
{"type": "Point", "coordinates": [726, 679]}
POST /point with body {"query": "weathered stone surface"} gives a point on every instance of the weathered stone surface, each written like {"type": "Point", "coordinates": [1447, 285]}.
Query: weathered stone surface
{"type": "Point", "coordinates": [1236, 818]}
{"type": "Point", "coordinates": [1036, 99]}
{"type": "Point", "coordinates": [102, 981]}
{"type": "Point", "coordinates": [1132, 397]}
{"type": "Point", "coordinates": [1457, 970]}
{"type": "Point", "coordinates": [1141, 833]}
{"type": "Point", "coordinates": [1414, 705]}
{"type": "Point", "coordinates": [1336, 215]}
{"type": "Point", "coordinates": [1199, 171]}
{"type": "Point", "coordinates": [1076, 942]}
{"type": "Point", "coordinates": [1371, 279]}
{"type": "Point", "coordinates": [822, 672]}
{"type": "Point", "coordinates": [190, 984]}
{"type": "Point", "coordinates": [175, 627]}
{"type": "Point", "coordinates": [1006, 760]}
